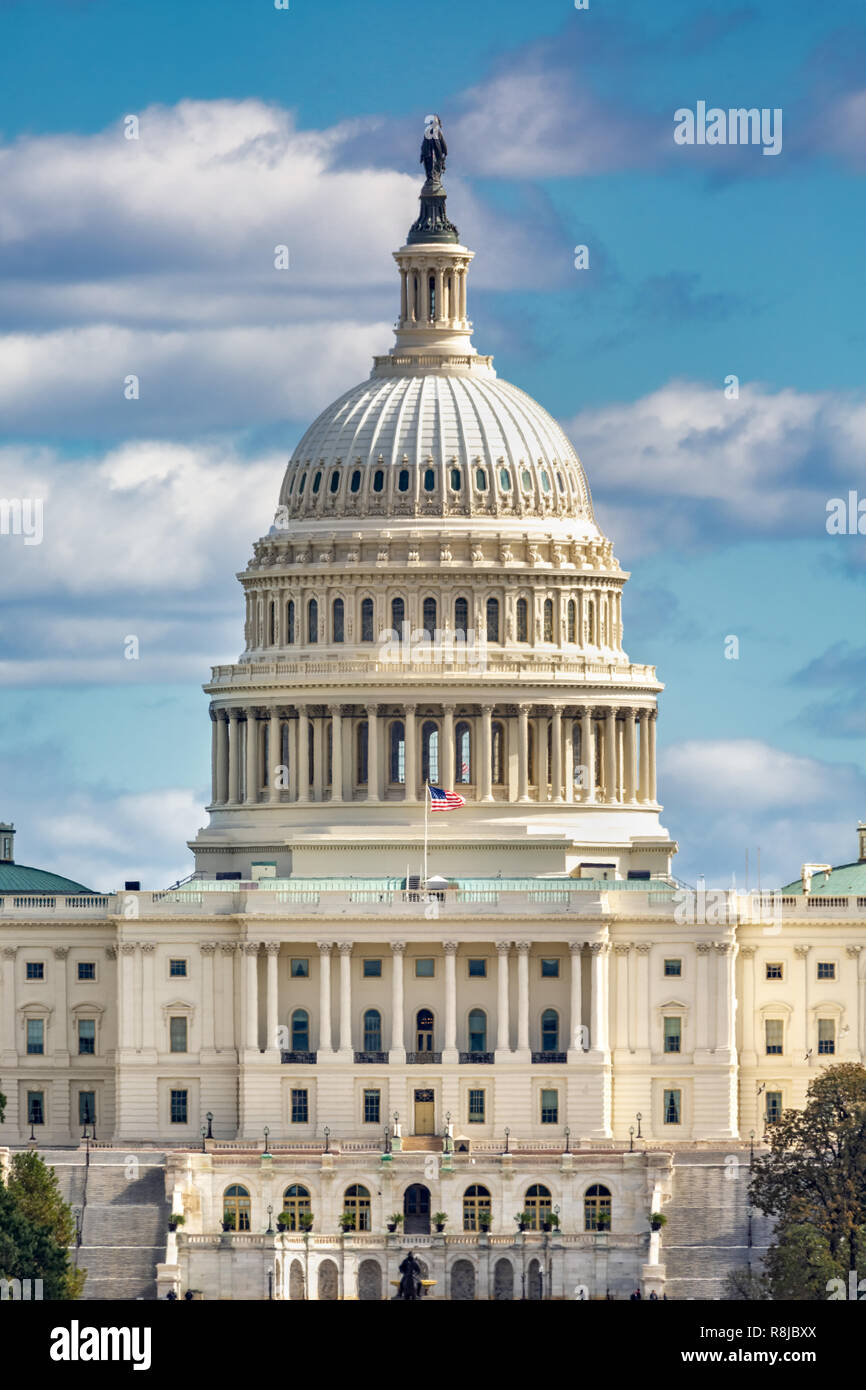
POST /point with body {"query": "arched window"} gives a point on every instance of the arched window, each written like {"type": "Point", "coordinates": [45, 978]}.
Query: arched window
{"type": "Point", "coordinates": [424, 1031]}
{"type": "Point", "coordinates": [481, 479]}
{"type": "Point", "coordinates": [296, 1203]}
{"type": "Point", "coordinates": [236, 1208]}
{"type": "Point", "coordinates": [526, 480]}
{"type": "Point", "coordinates": [597, 1208]}
{"type": "Point", "coordinates": [476, 1199]}
{"type": "Point", "coordinates": [357, 1203]}
{"type": "Point", "coordinates": [548, 620]}
{"type": "Point", "coordinates": [317, 481]}
{"type": "Point", "coordinates": [431, 297]}
{"type": "Point", "coordinates": [505, 480]}
{"type": "Point", "coordinates": [367, 620]}
{"type": "Point", "coordinates": [290, 622]}
{"type": "Point", "coordinates": [590, 621]}
{"type": "Point", "coordinates": [545, 480]}
{"type": "Point", "coordinates": [477, 1030]}
{"type": "Point", "coordinates": [429, 480]}
{"type": "Point", "coordinates": [339, 613]}
{"type": "Point", "coordinates": [429, 618]}
{"type": "Point", "coordinates": [538, 1204]}
{"type": "Point", "coordinates": [493, 620]}
{"type": "Point", "coordinates": [313, 621]}
{"type": "Point", "coordinates": [397, 762]}
{"type": "Point", "coordinates": [272, 623]}
{"type": "Point", "coordinates": [550, 1031]}
{"type": "Point", "coordinates": [430, 752]}
{"type": "Point", "coordinates": [461, 615]}
{"type": "Point", "coordinates": [398, 616]}
{"type": "Point", "coordinates": [372, 1031]}
{"type": "Point", "coordinates": [361, 763]}
{"type": "Point", "coordinates": [303, 484]}
{"type": "Point", "coordinates": [378, 480]}
{"type": "Point", "coordinates": [522, 620]}
{"type": "Point", "coordinates": [335, 480]}
{"type": "Point", "coordinates": [559, 482]}
{"type": "Point", "coordinates": [497, 754]}
{"type": "Point", "coordinates": [456, 479]}
{"type": "Point", "coordinates": [355, 484]}
{"type": "Point", "coordinates": [403, 480]}
{"type": "Point", "coordinates": [572, 620]}
{"type": "Point", "coordinates": [462, 753]}
{"type": "Point", "coordinates": [300, 1031]}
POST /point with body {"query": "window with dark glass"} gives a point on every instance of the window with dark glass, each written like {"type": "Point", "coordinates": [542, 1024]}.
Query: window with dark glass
{"type": "Point", "coordinates": [372, 1108]}
{"type": "Point", "coordinates": [774, 970]}
{"type": "Point", "coordinates": [671, 1107]}
{"type": "Point", "coordinates": [86, 1037]}
{"type": "Point", "coordinates": [36, 1107]}
{"type": "Point", "coordinates": [429, 480]}
{"type": "Point", "coordinates": [673, 967]}
{"type": "Point", "coordinates": [35, 1036]}
{"type": "Point", "coordinates": [355, 484]}
{"type": "Point", "coordinates": [826, 1036]}
{"type": "Point", "coordinates": [497, 754]}
{"type": "Point", "coordinates": [35, 970]}
{"type": "Point", "coordinates": [178, 1028]}
{"type": "Point", "coordinates": [773, 1110]}
{"type": "Point", "coordinates": [178, 1107]}
{"type": "Point", "coordinates": [398, 617]}
{"type": "Point", "coordinates": [476, 1107]}
{"type": "Point", "coordinates": [572, 620]}
{"type": "Point", "coordinates": [673, 1034]}
{"type": "Point", "coordinates": [398, 752]}
{"type": "Point", "coordinates": [461, 615]}
{"type": "Point", "coordinates": [339, 620]}
{"type": "Point", "coordinates": [550, 1107]}
{"type": "Point", "coordinates": [299, 968]}
{"type": "Point", "coordinates": [430, 752]}
{"type": "Point", "coordinates": [372, 969]}
{"type": "Point", "coordinates": [378, 480]}
{"type": "Point", "coordinates": [548, 620]}
{"type": "Point", "coordinates": [550, 967]}
{"type": "Point", "coordinates": [477, 1031]}
{"type": "Point", "coordinates": [87, 1107]}
{"type": "Point", "coordinates": [477, 968]}
{"type": "Point", "coordinates": [372, 1031]}
{"type": "Point", "coordinates": [335, 480]}
{"type": "Point", "coordinates": [362, 754]}
{"type": "Point", "coordinates": [290, 622]}
{"type": "Point", "coordinates": [429, 616]}
{"type": "Point", "coordinates": [177, 969]}
{"type": "Point", "coordinates": [522, 620]}
{"type": "Point", "coordinates": [300, 1031]}
{"type": "Point", "coordinates": [774, 1030]}
{"type": "Point", "coordinates": [300, 1107]}
{"type": "Point", "coordinates": [550, 1031]}
{"type": "Point", "coordinates": [826, 970]}
{"type": "Point", "coordinates": [87, 970]}
{"type": "Point", "coordinates": [493, 620]}
{"type": "Point", "coordinates": [367, 620]}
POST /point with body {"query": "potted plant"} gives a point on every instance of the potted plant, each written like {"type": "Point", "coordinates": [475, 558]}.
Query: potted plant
{"type": "Point", "coordinates": [523, 1219]}
{"type": "Point", "coordinates": [395, 1220]}
{"type": "Point", "coordinates": [657, 1220]}
{"type": "Point", "coordinates": [284, 1221]}
{"type": "Point", "coordinates": [176, 1219]}
{"type": "Point", "coordinates": [602, 1221]}
{"type": "Point", "coordinates": [485, 1220]}
{"type": "Point", "coordinates": [546, 1221]}
{"type": "Point", "coordinates": [439, 1218]}
{"type": "Point", "coordinates": [229, 1222]}
{"type": "Point", "coordinates": [346, 1222]}
{"type": "Point", "coordinates": [305, 1221]}
{"type": "Point", "coordinates": [554, 1221]}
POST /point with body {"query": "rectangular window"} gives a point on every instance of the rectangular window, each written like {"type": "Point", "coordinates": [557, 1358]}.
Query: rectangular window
{"type": "Point", "coordinates": [372, 970]}
{"type": "Point", "coordinates": [774, 1035]}
{"type": "Point", "coordinates": [424, 967]}
{"type": "Point", "coordinates": [35, 970]}
{"type": "Point", "coordinates": [299, 969]}
{"type": "Point", "coordinates": [477, 969]}
{"type": "Point", "coordinates": [177, 1030]}
{"type": "Point", "coordinates": [87, 1107]}
{"type": "Point", "coordinates": [372, 1108]}
{"type": "Point", "coordinates": [35, 1036]}
{"type": "Point", "coordinates": [86, 1037]}
{"type": "Point", "coordinates": [476, 1107]}
{"type": "Point", "coordinates": [179, 1108]}
{"type": "Point", "coordinates": [774, 970]}
{"type": "Point", "coordinates": [826, 970]}
{"type": "Point", "coordinates": [550, 968]}
{"type": "Point", "coordinates": [826, 1035]}
{"type": "Point", "coordinates": [177, 969]}
{"type": "Point", "coordinates": [774, 1107]}
{"type": "Point", "coordinates": [672, 1107]}
{"type": "Point", "coordinates": [36, 1107]}
{"type": "Point", "coordinates": [673, 967]}
{"type": "Point", "coordinates": [87, 970]}
{"type": "Point", "coordinates": [300, 1108]}
{"type": "Point", "coordinates": [550, 1107]}
{"type": "Point", "coordinates": [673, 1034]}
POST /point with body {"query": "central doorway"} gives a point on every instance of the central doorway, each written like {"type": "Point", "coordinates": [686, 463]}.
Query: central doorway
{"type": "Point", "coordinates": [416, 1210]}
{"type": "Point", "coordinates": [424, 1109]}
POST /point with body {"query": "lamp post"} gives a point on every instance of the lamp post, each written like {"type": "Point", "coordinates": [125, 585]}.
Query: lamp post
{"type": "Point", "coordinates": [270, 1230]}
{"type": "Point", "coordinates": [638, 1118]}
{"type": "Point", "coordinates": [209, 1118]}
{"type": "Point", "coordinates": [567, 1138]}
{"type": "Point", "coordinates": [203, 1145]}
{"type": "Point", "coordinates": [265, 1153]}
{"type": "Point", "coordinates": [631, 1138]}
{"type": "Point", "coordinates": [327, 1139]}
{"type": "Point", "coordinates": [507, 1136]}
{"type": "Point", "coordinates": [387, 1146]}
{"type": "Point", "coordinates": [751, 1161]}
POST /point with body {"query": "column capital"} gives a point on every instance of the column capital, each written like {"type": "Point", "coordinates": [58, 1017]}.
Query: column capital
{"type": "Point", "coordinates": [250, 948]}
{"type": "Point", "coordinates": [702, 948]}
{"type": "Point", "coordinates": [503, 947]}
{"type": "Point", "coordinates": [335, 711]}
{"type": "Point", "coordinates": [9, 952]}
{"type": "Point", "coordinates": [575, 947]}
{"type": "Point", "coordinates": [448, 709]}
{"type": "Point", "coordinates": [345, 947]}
{"type": "Point", "coordinates": [622, 948]}
{"type": "Point", "coordinates": [852, 951]}
{"type": "Point", "coordinates": [128, 947]}
{"type": "Point", "coordinates": [147, 947]}
{"type": "Point", "coordinates": [228, 948]}
{"type": "Point", "coordinates": [802, 951]}
{"type": "Point", "coordinates": [747, 951]}
{"type": "Point", "coordinates": [450, 947]}
{"type": "Point", "coordinates": [643, 948]}
{"type": "Point", "coordinates": [524, 709]}
{"type": "Point", "coordinates": [207, 948]}
{"type": "Point", "coordinates": [398, 947]}
{"type": "Point", "coordinates": [410, 708]}
{"type": "Point", "coordinates": [722, 947]}
{"type": "Point", "coordinates": [273, 947]}
{"type": "Point", "coordinates": [110, 951]}
{"type": "Point", "coordinates": [523, 947]}
{"type": "Point", "coordinates": [599, 948]}
{"type": "Point", "coordinates": [324, 947]}
{"type": "Point", "coordinates": [61, 952]}
{"type": "Point", "coordinates": [488, 709]}
{"type": "Point", "coordinates": [372, 711]}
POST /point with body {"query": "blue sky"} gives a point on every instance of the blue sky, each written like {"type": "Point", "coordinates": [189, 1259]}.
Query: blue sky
{"type": "Point", "coordinates": [260, 126]}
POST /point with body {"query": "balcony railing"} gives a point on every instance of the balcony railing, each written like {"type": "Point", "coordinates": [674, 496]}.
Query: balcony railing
{"type": "Point", "coordinates": [420, 1059]}
{"type": "Point", "coordinates": [485, 1058]}
{"type": "Point", "coordinates": [371, 1057]}
{"type": "Point", "coordinates": [545, 1057]}
{"type": "Point", "coordinates": [303, 1058]}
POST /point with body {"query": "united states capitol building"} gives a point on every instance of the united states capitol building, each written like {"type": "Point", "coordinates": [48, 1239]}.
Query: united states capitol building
{"type": "Point", "coordinates": [357, 1009]}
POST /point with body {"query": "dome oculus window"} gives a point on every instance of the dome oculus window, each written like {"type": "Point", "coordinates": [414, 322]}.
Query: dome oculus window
{"type": "Point", "coordinates": [335, 480]}
{"type": "Point", "coordinates": [302, 485]}
{"type": "Point", "coordinates": [378, 480]}
{"type": "Point", "coordinates": [545, 480]}
{"type": "Point", "coordinates": [526, 480]}
{"type": "Point", "coordinates": [317, 481]}
{"type": "Point", "coordinates": [355, 484]}
{"type": "Point", "coordinates": [456, 480]}
{"type": "Point", "coordinates": [481, 479]}
{"type": "Point", "coordinates": [403, 480]}
{"type": "Point", "coordinates": [429, 480]}
{"type": "Point", "coordinates": [505, 480]}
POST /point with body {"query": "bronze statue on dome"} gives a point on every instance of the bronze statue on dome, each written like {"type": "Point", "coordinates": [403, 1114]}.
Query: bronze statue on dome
{"type": "Point", "coordinates": [433, 149]}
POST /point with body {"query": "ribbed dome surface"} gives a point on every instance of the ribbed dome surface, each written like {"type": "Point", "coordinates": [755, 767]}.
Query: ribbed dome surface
{"type": "Point", "coordinates": [438, 421]}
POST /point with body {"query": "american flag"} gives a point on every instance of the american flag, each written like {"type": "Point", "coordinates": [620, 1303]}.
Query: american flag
{"type": "Point", "coordinates": [440, 800]}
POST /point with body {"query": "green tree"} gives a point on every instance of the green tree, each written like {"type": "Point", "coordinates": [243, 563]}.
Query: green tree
{"type": "Point", "coordinates": [38, 1228]}
{"type": "Point", "coordinates": [2, 1107]}
{"type": "Point", "coordinates": [813, 1181]}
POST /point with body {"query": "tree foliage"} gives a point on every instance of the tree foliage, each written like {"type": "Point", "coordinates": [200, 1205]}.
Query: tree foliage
{"type": "Point", "coordinates": [36, 1229]}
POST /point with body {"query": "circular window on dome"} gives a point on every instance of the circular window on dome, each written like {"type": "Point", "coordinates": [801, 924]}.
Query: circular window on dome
{"type": "Point", "coordinates": [303, 484]}
{"type": "Point", "coordinates": [317, 481]}
{"type": "Point", "coordinates": [403, 480]}
{"type": "Point", "coordinates": [526, 480]}
{"type": "Point", "coordinates": [429, 480]}
{"type": "Point", "coordinates": [335, 480]}
{"type": "Point", "coordinates": [481, 479]}
{"type": "Point", "coordinates": [378, 480]}
{"type": "Point", "coordinates": [456, 480]}
{"type": "Point", "coordinates": [355, 484]}
{"type": "Point", "coordinates": [505, 480]}
{"type": "Point", "coordinates": [545, 480]}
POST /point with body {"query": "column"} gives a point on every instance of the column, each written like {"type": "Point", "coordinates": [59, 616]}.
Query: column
{"type": "Point", "coordinates": [643, 790]}
{"type": "Point", "coordinates": [610, 756]}
{"type": "Point", "coordinates": [251, 1027]}
{"type": "Point", "coordinates": [748, 1056]}
{"type": "Point", "coordinates": [556, 755]}
{"type": "Point", "coordinates": [503, 1032]}
{"type": "Point", "coordinates": [577, 1041]}
{"type": "Point", "coordinates": [207, 949]}
{"type": "Point", "coordinates": [643, 994]}
{"type": "Point", "coordinates": [630, 751]}
{"type": "Point", "coordinates": [439, 296]}
{"type": "Point", "coordinates": [214, 756]}
{"type": "Point", "coordinates": [398, 949]}
{"type": "Point", "coordinates": [325, 1044]}
{"type": "Point", "coordinates": [404, 298]}
{"type": "Point", "coordinates": [542, 768]}
{"type": "Point", "coordinates": [446, 766]}
{"type": "Point", "coordinates": [252, 787]}
{"type": "Point", "coordinates": [148, 997]}
{"type": "Point", "coordinates": [345, 949]}
{"type": "Point", "coordinates": [127, 995]}
{"type": "Point", "coordinates": [234, 761]}
{"type": "Point", "coordinates": [450, 948]}
{"type": "Point", "coordinates": [486, 752]}
{"type": "Point", "coordinates": [222, 758]}
{"type": "Point", "coordinates": [621, 950]}
{"type": "Point", "coordinates": [598, 1033]}
{"type": "Point", "coordinates": [587, 753]}
{"type": "Point", "coordinates": [411, 767]}
{"type": "Point", "coordinates": [569, 758]}
{"type": "Point", "coordinates": [272, 1020]}
{"type": "Point", "coordinates": [336, 753]}
{"type": "Point", "coordinates": [523, 752]}
{"type": "Point", "coordinates": [8, 1036]}
{"type": "Point", "coordinates": [318, 792]}
{"type": "Point", "coordinates": [463, 293]}
{"type": "Point", "coordinates": [652, 754]}
{"type": "Point", "coordinates": [302, 757]}
{"type": "Point", "coordinates": [274, 755]}
{"type": "Point", "coordinates": [853, 1049]}
{"type": "Point", "coordinates": [372, 752]}
{"type": "Point", "coordinates": [800, 1022]}
{"type": "Point", "coordinates": [523, 996]}
{"type": "Point", "coordinates": [702, 997]}
{"type": "Point", "coordinates": [725, 956]}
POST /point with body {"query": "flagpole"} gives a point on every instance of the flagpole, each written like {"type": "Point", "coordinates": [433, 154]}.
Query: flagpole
{"type": "Point", "coordinates": [426, 803]}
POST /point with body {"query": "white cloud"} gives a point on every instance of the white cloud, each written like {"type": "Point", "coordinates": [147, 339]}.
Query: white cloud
{"type": "Point", "coordinates": [103, 843]}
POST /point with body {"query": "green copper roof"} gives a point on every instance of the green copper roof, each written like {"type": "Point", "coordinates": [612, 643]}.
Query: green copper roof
{"type": "Point", "coordinates": [845, 878]}
{"type": "Point", "coordinates": [18, 878]}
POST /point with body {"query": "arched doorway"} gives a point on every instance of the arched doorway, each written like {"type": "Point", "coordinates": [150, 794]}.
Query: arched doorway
{"type": "Point", "coordinates": [503, 1281]}
{"type": "Point", "coordinates": [370, 1282]}
{"type": "Point", "coordinates": [533, 1280]}
{"type": "Point", "coordinates": [296, 1280]}
{"type": "Point", "coordinates": [327, 1280]}
{"type": "Point", "coordinates": [416, 1210]}
{"type": "Point", "coordinates": [424, 1031]}
{"type": "Point", "coordinates": [462, 1281]}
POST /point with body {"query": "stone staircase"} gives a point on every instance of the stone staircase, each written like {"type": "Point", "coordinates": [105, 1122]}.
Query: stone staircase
{"type": "Point", "coordinates": [707, 1230]}
{"type": "Point", "coordinates": [125, 1217]}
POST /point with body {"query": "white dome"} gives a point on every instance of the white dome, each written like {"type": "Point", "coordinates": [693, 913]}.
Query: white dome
{"type": "Point", "coordinates": [510, 453]}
